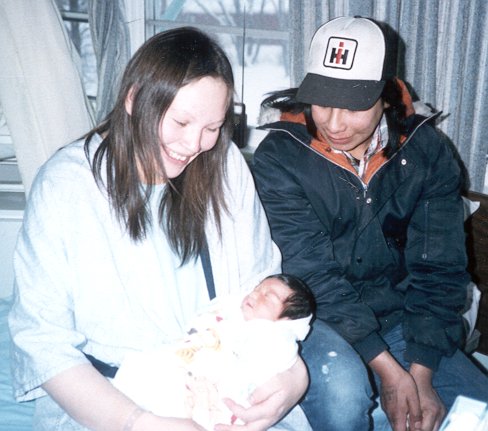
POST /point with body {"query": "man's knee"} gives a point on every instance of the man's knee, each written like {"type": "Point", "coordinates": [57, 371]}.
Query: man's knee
{"type": "Point", "coordinates": [340, 394]}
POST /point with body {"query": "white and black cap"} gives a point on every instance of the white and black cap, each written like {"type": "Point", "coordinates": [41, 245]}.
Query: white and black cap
{"type": "Point", "coordinates": [346, 66]}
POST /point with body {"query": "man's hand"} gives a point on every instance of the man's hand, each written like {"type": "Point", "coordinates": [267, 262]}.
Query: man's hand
{"type": "Point", "coordinates": [271, 401]}
{"type": "Point", "coordinates": [433, 410]}
{"type": "Point", "coordinates": [398, 393]}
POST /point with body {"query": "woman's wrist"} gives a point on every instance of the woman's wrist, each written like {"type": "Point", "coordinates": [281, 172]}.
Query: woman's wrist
{"type": "Point", "coordinates": [133, 418]}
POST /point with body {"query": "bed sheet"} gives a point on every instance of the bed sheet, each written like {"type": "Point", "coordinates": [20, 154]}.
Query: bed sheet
{"type": "Point", "coordinates": [13, 416]}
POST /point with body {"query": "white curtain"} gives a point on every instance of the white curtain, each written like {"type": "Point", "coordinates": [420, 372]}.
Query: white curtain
{"type": "Point", "coordinates": [41, 91]}
{"type": "Point", "coordinates": [111, 43]}
{"type": "Point", "coordinates": [445, 60]}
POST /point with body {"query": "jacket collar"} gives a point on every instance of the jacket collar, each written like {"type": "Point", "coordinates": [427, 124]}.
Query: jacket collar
{"type": "Point", "coordinates": [295, 126]}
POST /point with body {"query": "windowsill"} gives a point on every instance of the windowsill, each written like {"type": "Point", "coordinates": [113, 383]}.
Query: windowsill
{"type": "Point", "coordinates": [10, 180]}
{"type": "Point", "coordinates": [254, 138]}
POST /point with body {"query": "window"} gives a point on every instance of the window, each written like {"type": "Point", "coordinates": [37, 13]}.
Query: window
{"type": "Point", "coordinates": [9, 174]}
{"type": "Point", "coordinates": [254, 35]}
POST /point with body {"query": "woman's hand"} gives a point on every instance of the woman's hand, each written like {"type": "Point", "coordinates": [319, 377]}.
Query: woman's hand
{"type": "Point", "coordinates": [94, 402]}
{"type": "Point", "coordinates": [271, 401]}
{"type": "Point", "coordinates": [433, 410]}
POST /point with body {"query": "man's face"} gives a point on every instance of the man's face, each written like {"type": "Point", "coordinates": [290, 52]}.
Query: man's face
{"type": "Point", "coordinates": [345, 130]}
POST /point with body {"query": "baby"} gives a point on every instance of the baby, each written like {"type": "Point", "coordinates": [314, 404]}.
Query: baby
{"type": "Point", "coordinates": [231, 348]}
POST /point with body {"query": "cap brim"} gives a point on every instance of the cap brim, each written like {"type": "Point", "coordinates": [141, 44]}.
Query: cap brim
{"type": "Point", "coordinates": [355, 95]}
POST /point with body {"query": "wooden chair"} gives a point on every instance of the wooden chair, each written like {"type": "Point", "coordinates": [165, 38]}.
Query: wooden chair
{"type": "Point", "coordinates": [477, 245]}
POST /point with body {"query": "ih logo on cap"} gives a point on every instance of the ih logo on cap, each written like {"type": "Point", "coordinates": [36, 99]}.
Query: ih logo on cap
{"type": "Point", "coordinates": [340, 53]}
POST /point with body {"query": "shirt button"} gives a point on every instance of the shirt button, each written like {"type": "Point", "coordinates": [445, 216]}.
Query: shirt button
{"type": "Point", "coordinates": [404, 162]}
{"type": "Point", "coordinates": [359, 259]}
{"type": "Point", "coordinates": [369, 200]}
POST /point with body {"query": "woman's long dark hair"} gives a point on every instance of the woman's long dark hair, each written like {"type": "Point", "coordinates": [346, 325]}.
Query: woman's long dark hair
{"type": "Point", "coordinates": [395, 112]}
{"type": "Point", "coordinates": [131, 144]}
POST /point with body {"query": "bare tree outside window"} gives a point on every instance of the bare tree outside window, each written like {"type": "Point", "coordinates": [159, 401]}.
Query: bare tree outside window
{"type": "Point", "coordinates": [255, 35]}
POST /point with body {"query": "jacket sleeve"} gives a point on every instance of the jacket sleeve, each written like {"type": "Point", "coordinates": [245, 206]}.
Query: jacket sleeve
{"type": "Point", "coordinates": [436, 260]}
{"type": "Point", "coordinates": [306, 247]}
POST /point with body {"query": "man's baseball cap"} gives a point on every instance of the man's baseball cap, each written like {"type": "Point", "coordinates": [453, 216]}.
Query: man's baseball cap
{"type": "Point", "coordinates": [346, 66]}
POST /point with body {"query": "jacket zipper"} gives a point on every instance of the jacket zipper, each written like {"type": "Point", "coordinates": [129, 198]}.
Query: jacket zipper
{"type": "Point", "coordinates": [426, 222]}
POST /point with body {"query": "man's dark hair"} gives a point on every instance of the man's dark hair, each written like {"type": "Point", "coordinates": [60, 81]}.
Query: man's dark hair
{"type": "Point", "coordinates": [300, 303]}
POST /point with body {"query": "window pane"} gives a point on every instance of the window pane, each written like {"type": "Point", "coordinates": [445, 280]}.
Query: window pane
{"type": "Point", "coordinates": [6, 147]}
{"type": "Point", "coordinates": [73, 5]}
{"type": "Point", "coordinates": [253, 33]}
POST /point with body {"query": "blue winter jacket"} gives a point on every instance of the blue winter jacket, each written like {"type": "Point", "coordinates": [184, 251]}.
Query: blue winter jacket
{"type": "Point", "coordinates": [375, 254]}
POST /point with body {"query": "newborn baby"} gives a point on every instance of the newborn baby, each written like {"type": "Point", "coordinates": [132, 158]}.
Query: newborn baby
{"type": "Point", "coordinates": [231, 348]}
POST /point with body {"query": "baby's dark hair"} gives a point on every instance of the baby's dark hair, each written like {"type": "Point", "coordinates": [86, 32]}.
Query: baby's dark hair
{"type": "Point", "coordinates": [300, 303]}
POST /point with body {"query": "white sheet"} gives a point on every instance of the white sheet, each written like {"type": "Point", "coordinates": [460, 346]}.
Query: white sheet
{"type": "Point", "coordinates": [13, 416]}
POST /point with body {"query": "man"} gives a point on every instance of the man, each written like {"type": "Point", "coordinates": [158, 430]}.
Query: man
{"type": "Point", "coordinates": [363, 199]}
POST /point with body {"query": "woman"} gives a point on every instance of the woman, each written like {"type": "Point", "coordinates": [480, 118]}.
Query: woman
{"type": "Point", "coordinates": [109, 257]}
{"type": "Point", "coordinates": [363, 199]}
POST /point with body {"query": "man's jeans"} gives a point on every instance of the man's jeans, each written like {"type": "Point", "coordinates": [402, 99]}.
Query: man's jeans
{"type": "Point", "coordinates": [340, 396]}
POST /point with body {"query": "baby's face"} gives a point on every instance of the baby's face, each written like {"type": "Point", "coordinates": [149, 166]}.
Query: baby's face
{"type": "Point", "coordinates": [266, 300]}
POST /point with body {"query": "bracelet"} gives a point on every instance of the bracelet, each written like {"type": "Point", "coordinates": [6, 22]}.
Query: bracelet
{"type": "Point", "coordinates": [132, 419]}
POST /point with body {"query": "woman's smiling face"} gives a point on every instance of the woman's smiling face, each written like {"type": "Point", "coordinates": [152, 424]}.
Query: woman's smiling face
{"type": "Point", "coordinates": [192, 123]}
